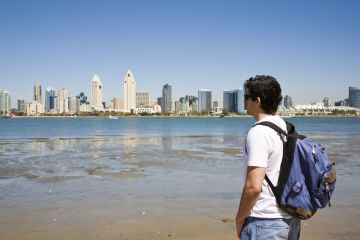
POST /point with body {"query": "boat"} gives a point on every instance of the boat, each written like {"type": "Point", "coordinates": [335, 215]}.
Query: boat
{"type": "Point", "coordinates": [112, 117]}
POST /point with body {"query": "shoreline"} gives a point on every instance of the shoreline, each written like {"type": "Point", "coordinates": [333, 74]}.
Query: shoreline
{"type": "Point", "coordinates": [168, 117]}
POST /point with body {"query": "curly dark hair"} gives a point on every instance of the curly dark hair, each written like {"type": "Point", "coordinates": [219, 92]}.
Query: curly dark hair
{"type": "Point", "coordinates": [267, 89]}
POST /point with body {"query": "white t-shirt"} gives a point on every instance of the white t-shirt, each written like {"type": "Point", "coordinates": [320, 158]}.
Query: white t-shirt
{"type": "Point", "coordinates": [264, 148]}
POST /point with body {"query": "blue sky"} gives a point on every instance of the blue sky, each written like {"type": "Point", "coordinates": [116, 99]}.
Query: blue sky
{"type": "Point", "coordinates": [311, 47]}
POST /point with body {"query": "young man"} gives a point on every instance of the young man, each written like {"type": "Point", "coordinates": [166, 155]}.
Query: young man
{"type": "Point", "coordinates": [259, 216]}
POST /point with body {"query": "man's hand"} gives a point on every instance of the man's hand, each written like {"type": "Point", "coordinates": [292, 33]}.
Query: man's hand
{"type": "Point", "coordinates": [239, 226]}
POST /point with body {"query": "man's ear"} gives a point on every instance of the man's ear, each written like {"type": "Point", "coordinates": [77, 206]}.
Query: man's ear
{"type": "Point", "coordinates": [258, 100]}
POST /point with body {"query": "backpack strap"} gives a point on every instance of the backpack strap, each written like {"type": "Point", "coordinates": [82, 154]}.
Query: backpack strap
{"type": "Point", "coordinates": [275, 127]}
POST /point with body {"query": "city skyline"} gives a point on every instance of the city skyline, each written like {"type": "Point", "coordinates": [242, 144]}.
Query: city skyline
{"type": "Point", "coordinates": [310, 47]}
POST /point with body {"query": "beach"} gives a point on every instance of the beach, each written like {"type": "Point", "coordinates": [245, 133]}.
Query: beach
{"type": "Point", "coordinates": [150, 178]}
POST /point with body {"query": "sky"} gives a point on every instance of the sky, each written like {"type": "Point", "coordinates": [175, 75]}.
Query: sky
{"type": "Point", "coordinates": [311, 47]}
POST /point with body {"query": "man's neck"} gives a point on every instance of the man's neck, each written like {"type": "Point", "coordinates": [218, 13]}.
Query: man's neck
{"type": "Point", "coordinates": [261, 115]}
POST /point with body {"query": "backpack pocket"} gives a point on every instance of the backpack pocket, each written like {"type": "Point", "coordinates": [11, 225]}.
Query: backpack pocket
{"type": "Point", "coordinates": [326, 187]}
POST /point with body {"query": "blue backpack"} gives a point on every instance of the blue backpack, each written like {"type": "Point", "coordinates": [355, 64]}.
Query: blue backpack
{"type": "Point", "coordinates": [307, 178]}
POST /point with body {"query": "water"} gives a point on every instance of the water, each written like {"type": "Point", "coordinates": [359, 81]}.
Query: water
{"type": "Point", "coordinates": [157, 166]}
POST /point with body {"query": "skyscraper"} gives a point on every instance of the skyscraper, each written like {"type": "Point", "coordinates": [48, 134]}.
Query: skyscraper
{"type": "Point", "coordinates": [4, 102]}
{"type": "Point", "coordinates": [37, 93]}
{"type": "Point", "coordinates": [21, 106]}
{"type": "Point", "coordinates": [166, 100]}
{"type": "Point", "coordinates": [233, 101]}
{"type": "Point", "coordinates": [288, 102]}
{"type": "Point", "coordinates": [142, 99]}
{"type": "Point", "coordinates": [62, 101]}
{"type": "Point", "coordinates": [354, 97]}
{"type": "Point", "coordinates": [50, 96]}
{"type": "Point", "coordinates": [129, 92]}
{"type": "Point", "coordinates": [96, 94]}
{"type": "Point", "coordinates": [204, 96]}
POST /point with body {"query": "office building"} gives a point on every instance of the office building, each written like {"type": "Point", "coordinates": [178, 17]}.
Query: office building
{"type": "Point", "coordinates": [288, 102]}
{"type": "Point", "coordinates": [129, 92]}
{"type": "Point", "coordinates": [204, 96]}
{"type": "Point", "coordinates": [233, 101]}
{"type": "Point", "coordinates": [34, 108]}
{"type": "Point", "coordinates": [62, 101]}
{"type": "Point", "coordinates": [74, 105]}
{"type": "Point", "coordinates": [37, 93]}
{"type": "Point", "coordinates": [21, 106]}
{"type": "Point", "coordinates": [354, 97]}
{"type": "Point", "coordinates": [96, 101]}
{"type": "Point", "coordinates": [50, 98]}
{"type": "Point", "coordinates": [166, 99]}
{"type": "Point", "coordinates": [142, 99]}
{"type": "Point", "coordinates": [5, 102]}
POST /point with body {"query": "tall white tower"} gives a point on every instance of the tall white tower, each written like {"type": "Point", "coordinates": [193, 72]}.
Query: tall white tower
{"type": "Point", "coordinates": [96, 94]}
{"type": "Point", "coordinates": [129, 92]}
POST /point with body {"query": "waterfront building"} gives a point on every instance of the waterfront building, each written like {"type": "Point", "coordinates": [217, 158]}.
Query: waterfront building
{"type": "Point", "coordinates": [288, 103]}
{"type": "Point", "coordinates": [327, 102]}
{"type": "Point", "coordinates": [158, 102]}
{"type": "Point", "coordinates": [74, 105]}
{"type": "Point", "coordinates": [37, 93]}
{"type": "Point", "coordinates": [129, 92]}
{"type": "Point", "coordinates": [181, 106]}
{"type": "Point", "coordinates": [215, 104]}
{"type": "Point", "coordinates": [166, 100]}
{"type": "Point", "coordinates": [62, 101]}
{"type": "Point", "coordinates": [96, 101]}
{"type": "Point", "coordinates": [5, 102]}
{"type": "Point", "coordinates": [50, 98]}
{"type": "Point", "coordinates": [354, 97]}
{"type": "Point", "coordinates": [84, 105]}
{"type": "Point", "coordinates": [117, 104]}
{"type": "Point", "coordinates": [204, 96]}
{"type": "Point", "coordinates": [21, 106]}
{"type": "Point", "coordinates": [342, 103]}
{"type": "Point", "coordinates": [142, 99]}
{"type": "Point", "coordinates": [233, 101]}
{"type": "Point", "coordinates": [34, 108]}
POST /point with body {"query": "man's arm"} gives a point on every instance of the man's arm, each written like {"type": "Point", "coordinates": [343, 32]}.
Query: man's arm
{"type": "Point", "coordinates": [251, 191]}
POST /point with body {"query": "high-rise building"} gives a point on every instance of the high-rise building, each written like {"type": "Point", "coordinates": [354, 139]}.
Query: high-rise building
{"type": "Point", "coordinates": [354, 97]}
{"type": "Point", "coordinates": [129, 92]}
{"type": "Point", "coordinates": [50, 98]}
{"type": "Point", "coordinates": [37, 93]}
{"type": "Point", "coordinates": [21, 106]}
{"type": "Point", "coordinates": [5, 102]}
{"type": "Point", "coordinates": [96, 94]}
{"type": "Point", "coordinates": [327, 102]}
{"type": "Point", "coordinates": [62, 101]}
{"type": "Point", "coordinates": [73, 108]}
{"type": "Point", "coordinates": [166, 100]}
{"type": "Point", "coordinates": [204, 96]}
{"type": "Point", "coordinates": [116, 104]}
{"type": "Point", "coordinates": [288, 102]}
{"type": "Point", "coordinates": [233, 101]}
{"type": "Point", "coordinates": [142, 99]}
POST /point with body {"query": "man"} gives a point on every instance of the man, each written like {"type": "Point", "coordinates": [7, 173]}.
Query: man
{"type": "Point", "coordinates": [259, 216]}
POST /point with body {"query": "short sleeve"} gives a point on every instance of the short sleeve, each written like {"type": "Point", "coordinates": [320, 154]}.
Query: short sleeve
{"type": "Point", "coordinates": [257, 147]}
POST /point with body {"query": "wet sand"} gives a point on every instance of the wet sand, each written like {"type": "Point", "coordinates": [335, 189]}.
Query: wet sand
{"type": "Point", "coordinates": [94, 225]}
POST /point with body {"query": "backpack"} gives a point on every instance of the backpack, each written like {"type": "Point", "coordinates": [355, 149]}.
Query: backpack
{"type": "Point", "coordinates": [307, 178]}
